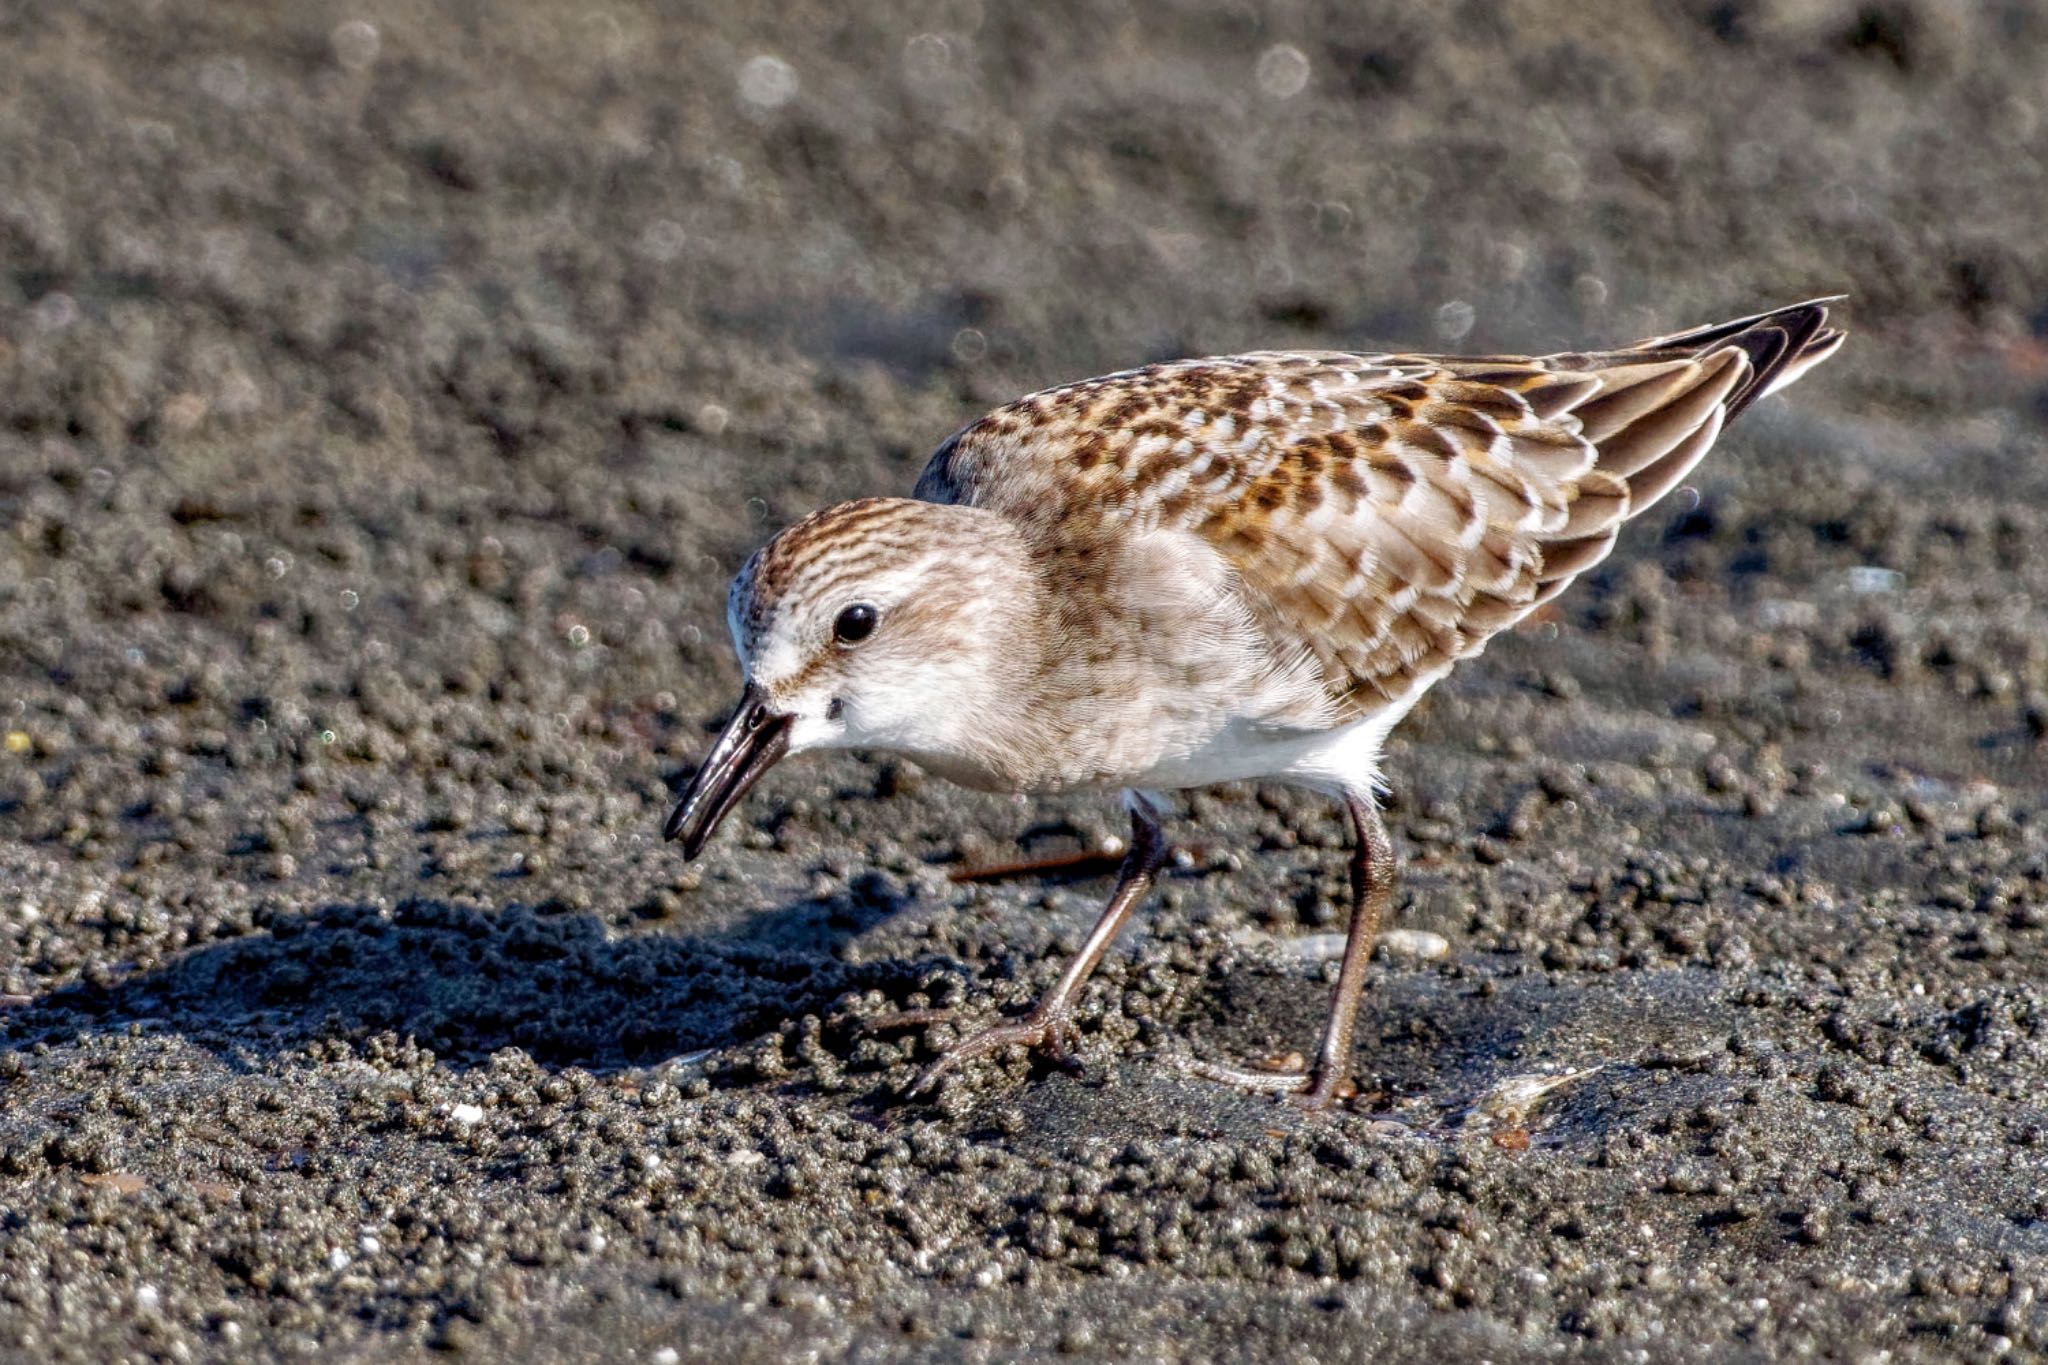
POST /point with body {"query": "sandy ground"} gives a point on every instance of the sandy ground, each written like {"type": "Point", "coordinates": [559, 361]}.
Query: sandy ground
{"type": "Point", "coordinates": [387, 392]}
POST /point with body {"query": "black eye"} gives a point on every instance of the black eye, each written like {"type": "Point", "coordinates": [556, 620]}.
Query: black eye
{"type": "Point", "coordinates": [854, 624]}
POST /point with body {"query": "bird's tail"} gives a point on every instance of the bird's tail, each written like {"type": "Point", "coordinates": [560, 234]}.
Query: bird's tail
{"type": "Point", "coordinates": [1781, 345]}
{"type": "Point", "coordinates": [1652, 410]}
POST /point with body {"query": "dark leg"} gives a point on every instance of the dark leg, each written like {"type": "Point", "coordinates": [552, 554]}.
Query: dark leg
{"type": "Point", "coordinates": [1063, 865]}
{"type": "Point", "coordinates": [1050, 1023]}
{"type": "Point", "coordinates": [1372, 886]}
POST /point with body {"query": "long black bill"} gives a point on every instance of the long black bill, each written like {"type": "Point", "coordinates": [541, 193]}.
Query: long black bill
{"type": "Point", "coordinates": [749, 745]}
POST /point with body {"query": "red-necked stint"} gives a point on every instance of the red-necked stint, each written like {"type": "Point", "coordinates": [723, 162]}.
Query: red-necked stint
{"type": "Point", "coordinates": [1246, 567]}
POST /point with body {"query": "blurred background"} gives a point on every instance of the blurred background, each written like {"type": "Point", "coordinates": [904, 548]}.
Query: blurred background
{"type": "Point", "coordinates": [370, 372]}
{"type": "Point", "coordinates": [521, 324]}
{"type": "Point", "coordinates": [387, 392]}
{"type": "Point", "coordinates": [590, 298]}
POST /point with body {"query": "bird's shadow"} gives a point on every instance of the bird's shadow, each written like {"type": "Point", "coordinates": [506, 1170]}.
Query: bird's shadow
{"type": "Point", "coordinates": [467, 981]}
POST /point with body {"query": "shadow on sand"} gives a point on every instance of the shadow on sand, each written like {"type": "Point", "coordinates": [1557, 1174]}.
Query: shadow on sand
{"type": "Point", "coordinates": [467, 981]}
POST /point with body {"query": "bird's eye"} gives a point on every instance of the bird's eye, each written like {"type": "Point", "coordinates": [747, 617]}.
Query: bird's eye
{"type": "Point", "coordinates": [854, 624]}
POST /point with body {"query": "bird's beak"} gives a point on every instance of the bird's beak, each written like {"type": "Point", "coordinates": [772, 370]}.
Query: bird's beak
{"type": "Point", "coordinates": [749, 746]}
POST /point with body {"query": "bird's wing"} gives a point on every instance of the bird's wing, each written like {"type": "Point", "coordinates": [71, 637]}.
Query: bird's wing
{"type": "Point", "coordinates": [1387, 513]}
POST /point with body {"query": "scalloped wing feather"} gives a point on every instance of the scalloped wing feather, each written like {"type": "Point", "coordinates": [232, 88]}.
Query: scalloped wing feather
{"type": "Point", "coordinates": [1386, 513]}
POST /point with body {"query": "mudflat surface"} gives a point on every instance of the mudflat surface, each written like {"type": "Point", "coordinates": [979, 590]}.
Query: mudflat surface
{"type": "Point", "coordinates": [387, 392]}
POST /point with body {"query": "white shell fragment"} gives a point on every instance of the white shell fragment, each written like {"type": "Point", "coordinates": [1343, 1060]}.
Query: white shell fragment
{"type": "Point", "coordinates": [1420, 944]}
{"type": "Point", "coordinates": [1512, 1100]}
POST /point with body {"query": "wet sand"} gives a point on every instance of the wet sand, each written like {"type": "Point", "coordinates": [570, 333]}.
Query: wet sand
{"type": "Point", "coordinates": [389, 393]}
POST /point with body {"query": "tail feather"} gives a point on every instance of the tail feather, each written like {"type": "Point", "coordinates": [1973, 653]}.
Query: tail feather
{"type": "Point", "coordinates": [1654, 409]}
{"type": "Point", "coordinates": [1707, 372]}
{"type": "Point", "coordinates": [1781, 345]}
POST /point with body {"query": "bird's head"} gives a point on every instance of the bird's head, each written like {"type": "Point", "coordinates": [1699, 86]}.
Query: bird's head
{"type": "Point", "coordinates": [884, 624]}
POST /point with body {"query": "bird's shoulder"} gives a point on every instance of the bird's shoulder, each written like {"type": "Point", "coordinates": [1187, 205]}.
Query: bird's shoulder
{"type": "Point", "coordinates": [1115, 441]}
{"type": "Point", "coordinates": [1178, 440]}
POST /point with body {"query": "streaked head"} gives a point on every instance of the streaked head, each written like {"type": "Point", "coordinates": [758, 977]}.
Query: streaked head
{"type": "Point", "coordinates": [880, 624]}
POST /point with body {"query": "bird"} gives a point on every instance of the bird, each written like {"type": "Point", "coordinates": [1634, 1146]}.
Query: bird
{"type": "Point", "coordinates": [1238, 568]}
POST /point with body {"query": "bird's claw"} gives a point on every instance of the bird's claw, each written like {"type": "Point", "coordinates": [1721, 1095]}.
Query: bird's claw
{"type": "Point", "coordinates": [1306, 1090]}
{"type": "Point", "coordinates": [902, 1019]}
{"type": "Point", "coordinates": [1048, 1030]}
{"type": "Point", "coordinates": [1321, 1095]}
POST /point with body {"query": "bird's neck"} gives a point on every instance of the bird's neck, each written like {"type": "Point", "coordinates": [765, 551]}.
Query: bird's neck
{"type": "Point", "coordinates": [982, 718]}
{"type": "Point", "coordinates": [1023, 700]}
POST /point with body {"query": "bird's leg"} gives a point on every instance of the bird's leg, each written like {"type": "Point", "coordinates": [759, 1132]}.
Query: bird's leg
{"type": "Point", "coordinates": [1372, 886]}
{"type": "Point", "coordinates": [1087, 863]}
{"type": "Point", "coordinates": [1050, 1023]}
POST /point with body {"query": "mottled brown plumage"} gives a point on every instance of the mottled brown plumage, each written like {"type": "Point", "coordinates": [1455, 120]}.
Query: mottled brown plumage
{"type": "Point", "coordinates": [1390, 513]}
{"type": "Point", "coordinates": [1242, 567]}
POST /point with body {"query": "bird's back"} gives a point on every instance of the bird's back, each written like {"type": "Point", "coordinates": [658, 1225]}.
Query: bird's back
{"type": "Point", "coordinates": [1385, 513]}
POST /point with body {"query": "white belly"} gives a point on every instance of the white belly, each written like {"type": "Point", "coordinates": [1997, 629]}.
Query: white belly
{"type": "Point", "coordinates": [1339, 760]}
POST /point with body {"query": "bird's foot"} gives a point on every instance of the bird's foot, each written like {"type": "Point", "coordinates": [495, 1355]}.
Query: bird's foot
{"type": "Point", "coordinates": [1310, 1091]}
{"type": "Point", "coordinates": [1048, 1027]}
{"type": "Point", "coordinates": [1090, 863]}
{"type": "Point", "coordinates": [898, 1020]}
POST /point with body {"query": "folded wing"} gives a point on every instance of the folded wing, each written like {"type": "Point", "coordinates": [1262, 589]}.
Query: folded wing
{"type": "Point", "coordinates": [1390, 513]}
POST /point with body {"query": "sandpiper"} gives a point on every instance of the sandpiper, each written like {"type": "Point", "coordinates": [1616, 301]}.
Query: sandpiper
{"type": "Point", "coordinates": [1241, 568]}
